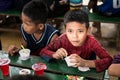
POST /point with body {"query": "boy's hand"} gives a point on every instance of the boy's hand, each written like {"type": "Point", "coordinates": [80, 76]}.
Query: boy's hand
{"type": "Point", "coordinates": [12, 49]}
{"type": "Point", "coordinates": [75, 58]}
{"type": "Point", "coordinates": [60, 53]}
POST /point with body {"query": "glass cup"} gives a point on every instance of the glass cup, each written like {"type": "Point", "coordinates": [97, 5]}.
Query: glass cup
{"type": "Point", "coordinates": [4, 66]}
{"type": "Point", "coordinates": [24, 54]}
{"type": "Point", "coordinates": [39, 68]}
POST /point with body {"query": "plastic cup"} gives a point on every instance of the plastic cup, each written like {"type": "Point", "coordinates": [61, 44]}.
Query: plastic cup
{"type": "Point", "coordinates": [4, 66]}
{"type": "Point", "coordinates": [39, 68]}
{"type": "Point", "coordinates": [67, 59]}
{"type": "Point", "coordinates": [24, 54]}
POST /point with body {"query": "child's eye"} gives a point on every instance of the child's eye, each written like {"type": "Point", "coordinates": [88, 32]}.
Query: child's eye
{"type": "Point", "coordinates": [27, 23]}
{"type": "Point", "coordinates": [69, 30]}
{"type": "Point", "coordinates": [80, 30]}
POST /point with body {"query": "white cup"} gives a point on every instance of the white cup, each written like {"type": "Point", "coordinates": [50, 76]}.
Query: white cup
{"type": "Point", "coordinates": [67, 59]}
{"type": "Point", "coordinates": [24, 54]}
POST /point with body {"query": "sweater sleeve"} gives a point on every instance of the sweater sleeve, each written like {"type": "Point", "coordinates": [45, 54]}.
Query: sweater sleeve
{"type": "Point", "coordinates": [104, 60]}
{"type": "Point", "coordinates": [50, 49]}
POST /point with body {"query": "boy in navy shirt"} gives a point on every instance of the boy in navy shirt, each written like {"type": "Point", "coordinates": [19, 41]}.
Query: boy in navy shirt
{"type": "Point", "coordinates": [36, 33]}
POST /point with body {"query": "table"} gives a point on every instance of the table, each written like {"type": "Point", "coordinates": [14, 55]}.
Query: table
{"type": "Point", "coordinates": [55, 66]}
{"type": "Point", "coordinates": [15, 71]}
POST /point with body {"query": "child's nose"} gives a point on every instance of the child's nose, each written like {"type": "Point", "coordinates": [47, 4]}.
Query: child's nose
{"type": "Point", "coordinates": [75, 35]}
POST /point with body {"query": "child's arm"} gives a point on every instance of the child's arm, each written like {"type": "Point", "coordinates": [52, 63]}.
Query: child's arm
{"type": "Point", "coordinates": [51, 50]}
{"type": "Point", "coordinates": [60, 54]}
{"type": "Point", "coordinates": [54, 37]}
{"type": "Point", "coordinates": [104, 59]}
{"type": "Point", "coordinates": [114, 70]}
{"type": "Point", "coordinates": [14, 49]}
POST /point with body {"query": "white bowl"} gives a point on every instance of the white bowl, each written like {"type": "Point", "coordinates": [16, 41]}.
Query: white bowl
{"type": "Point", "coordinates": [83, 69]}
{"type": "Point", "coordinates": [24, 72]}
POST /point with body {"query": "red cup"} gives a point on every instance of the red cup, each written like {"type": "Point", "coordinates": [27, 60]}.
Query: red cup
{"type": "Point", "coordinates": [39, 72]}
{"type": "Point", "coordinates": [39, 68]}
{"type": "Point", "coordinates": [4, 66]}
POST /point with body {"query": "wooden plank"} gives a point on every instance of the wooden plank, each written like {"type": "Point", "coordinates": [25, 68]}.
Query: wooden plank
{"type": "Point", "coordinates": [9, 30]}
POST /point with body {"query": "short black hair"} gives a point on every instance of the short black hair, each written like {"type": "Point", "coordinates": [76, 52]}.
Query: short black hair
{"type": "Point", "coordinates": [78, 16]}
{"type": "Point", "coordinates": [28, 77]}
{"type": "Point", "coordinates": [36, 10]}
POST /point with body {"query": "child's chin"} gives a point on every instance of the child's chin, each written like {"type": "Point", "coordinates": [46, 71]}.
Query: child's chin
{"type": "Point", "coordinates": [76, 45]}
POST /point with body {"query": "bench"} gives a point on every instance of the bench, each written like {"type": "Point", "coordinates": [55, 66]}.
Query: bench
{"type": "Point", "coordinates": [93, 17]}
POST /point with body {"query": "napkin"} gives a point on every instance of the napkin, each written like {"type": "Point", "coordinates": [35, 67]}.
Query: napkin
{"type": "Point", "coordinates": [83, 68]}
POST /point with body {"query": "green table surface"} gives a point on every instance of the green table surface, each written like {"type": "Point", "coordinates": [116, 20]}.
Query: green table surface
{"type": "Point", "coordinates": [1, 75]}
{"type": "Point", "coordinates": [56, 66]}
{"type": "Point", "coordinates": [92, 16]}
{"type": "Point", "coordinates": [105, 19]}
{"type": "Point", "coordinates": [11, 12]}
{"type": "Point", "coordinates": [15, 71]}
{"type": "Point", "coordinates": [99, 18]}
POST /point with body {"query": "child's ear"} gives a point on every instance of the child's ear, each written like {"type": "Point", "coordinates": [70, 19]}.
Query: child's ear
{"type": "Point", "coordinates": [89, 30]}
{"type": "Point", "coordinates": [41, 26]}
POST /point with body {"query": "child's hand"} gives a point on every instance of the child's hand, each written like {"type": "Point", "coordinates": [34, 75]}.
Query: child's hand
{"type": "Point", "coordinates": [75, 58]}
{"type": "Point", "coordinates": [12, 49]}
{"type": "Point", "coordinates": [60, 53]}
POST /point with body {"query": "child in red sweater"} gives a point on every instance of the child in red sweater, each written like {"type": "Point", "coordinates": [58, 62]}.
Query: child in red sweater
{"type": "Point", "coordinates": [77, 43]}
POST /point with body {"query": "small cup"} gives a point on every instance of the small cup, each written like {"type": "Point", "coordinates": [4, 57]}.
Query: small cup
{"type": "Point", "coordinates": [39, 68]}
{"type": "Point", "coordinates": [4, 66]}
{"type": "Point", "coordinates": [24, 72]}
{"type": "Point", "coordinates": [67, 59]}
{"type": "Point", "coordinates": [24, 54]}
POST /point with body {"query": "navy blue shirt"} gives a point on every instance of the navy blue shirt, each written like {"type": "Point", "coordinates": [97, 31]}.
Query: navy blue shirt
{"type": "Point", "coordinates": [36, 45]}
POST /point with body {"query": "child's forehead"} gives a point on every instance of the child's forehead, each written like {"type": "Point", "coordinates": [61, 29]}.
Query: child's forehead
{"type": "Point", "coordinates": [75, 24]}
{"type": "Point", "coordinates": [26, 18]}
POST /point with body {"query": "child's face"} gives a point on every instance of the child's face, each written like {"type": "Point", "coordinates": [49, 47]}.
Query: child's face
{"type": "Point", "coordinates": [28, 25]}
{"type": "Point", "coordinates": [76, 33]}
